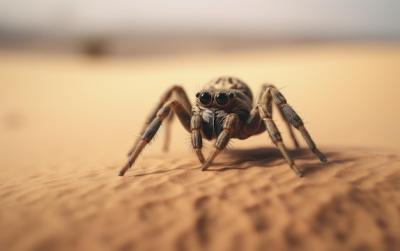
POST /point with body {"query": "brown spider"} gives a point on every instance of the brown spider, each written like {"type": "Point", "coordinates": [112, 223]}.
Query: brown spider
{"type": "Point", "coordinates": [224, 110]}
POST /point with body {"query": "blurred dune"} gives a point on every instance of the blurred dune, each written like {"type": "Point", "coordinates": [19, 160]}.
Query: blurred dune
{"type": "Point", "coordinates": [66, 123]}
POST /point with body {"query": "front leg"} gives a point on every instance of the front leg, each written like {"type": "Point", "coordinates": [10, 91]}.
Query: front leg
{"type": "Point", "coordinates": [267, 105]}
{"type": "Point", "coordinates": [182, 97]}
{"type": "Point", "coordinates": [276, 138]}
{"type": "Point", "coordinates": [151, 130]}
{"type": "Point", "coordinates": [230, 125]}
{"type": "Point", "coordinates": [197, 139]}
{"type": "Point", "coordinates": [294, 119]}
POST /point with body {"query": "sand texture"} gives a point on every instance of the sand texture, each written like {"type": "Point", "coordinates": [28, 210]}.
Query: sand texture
{"type": "Point", "coordinates": [250, 201]}
{"type": "Point", "coordinates": [66, 123]}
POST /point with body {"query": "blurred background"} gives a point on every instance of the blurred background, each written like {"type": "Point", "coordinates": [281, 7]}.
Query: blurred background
{"type": "Point", "coordinates": [78, 78]}
{"type": "Point", "coordinates": [138, 27]}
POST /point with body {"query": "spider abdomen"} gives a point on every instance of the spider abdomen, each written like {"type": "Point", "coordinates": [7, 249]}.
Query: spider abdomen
{"type": "Point", "coordinates": [230, 83]}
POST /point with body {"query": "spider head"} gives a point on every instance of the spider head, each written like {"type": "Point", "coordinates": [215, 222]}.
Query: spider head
{"type": "Point", "coordinates": [215, 99]}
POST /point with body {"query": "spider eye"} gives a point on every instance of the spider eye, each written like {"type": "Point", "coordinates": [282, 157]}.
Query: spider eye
{"type": "Point", "coordinates": [222, 98]}
{"type": "Point", "coordinates": [205, 98]}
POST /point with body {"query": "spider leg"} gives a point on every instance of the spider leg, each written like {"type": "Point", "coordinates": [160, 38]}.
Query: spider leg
{"type": "Point", "coordinates": [267, 104]}
{"type": "Point", "coordinates": [152, 128]}
{"type": "Point", "coordinates": [181, 96]}
{"type": "Point", "coordinates": [290, 129]}
{"type": "Point", "coordinates": [295, 120]}
{"type": "Point", "coordinates": [276, 138]}
{"type": "Point", "coordinates": [260, 120]}
{"type": "Point", "coordinates": [230, 124]}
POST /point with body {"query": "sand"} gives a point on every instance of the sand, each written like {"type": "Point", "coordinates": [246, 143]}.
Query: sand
{"type": "Point", "coordinates": [250, 201]}
{"type": "Point", "coordinates": [67, 122]}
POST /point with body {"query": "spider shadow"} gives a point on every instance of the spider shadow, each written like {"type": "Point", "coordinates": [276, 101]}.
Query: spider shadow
{"type": "Point", "coordinates": [180, 167]}
{"type": "Point", "coordinates": [267, 157]}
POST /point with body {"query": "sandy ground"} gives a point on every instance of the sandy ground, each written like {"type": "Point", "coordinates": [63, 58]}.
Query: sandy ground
{"type": "Point", "coordinates": [66, 123]}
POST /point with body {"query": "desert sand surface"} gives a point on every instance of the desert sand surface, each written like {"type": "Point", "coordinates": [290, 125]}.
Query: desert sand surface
{"type": "Point", "coordinates": [66, 123]}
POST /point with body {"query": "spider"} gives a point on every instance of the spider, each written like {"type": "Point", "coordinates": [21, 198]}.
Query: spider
{"type": "Point", "coordinates": [223, 110]}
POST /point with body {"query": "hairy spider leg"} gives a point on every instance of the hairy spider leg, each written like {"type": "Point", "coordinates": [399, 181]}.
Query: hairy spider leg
{"type": "Point", "coordinates": [153, 127]}
{"type": "Point", "coordinates": [267, 105]}
{"type": "Point", "coordinates": [180, 95]}
{"type": "Point", "coordinates": [295, 120]}
{"type": "Point", "coordinates": [231, 123]}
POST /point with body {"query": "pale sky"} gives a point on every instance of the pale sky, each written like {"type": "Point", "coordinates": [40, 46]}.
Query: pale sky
{"type": "Point", "coordinates": [371, 17]}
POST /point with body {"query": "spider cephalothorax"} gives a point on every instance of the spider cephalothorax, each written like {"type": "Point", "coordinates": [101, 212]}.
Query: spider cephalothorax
{"type": "Point", "coordinates": [224, 110]}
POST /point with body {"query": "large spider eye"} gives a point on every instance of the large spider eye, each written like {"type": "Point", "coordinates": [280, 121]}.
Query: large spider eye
{"type": "Point", "coordinates": [205, 98]}
{"type": "Point", "coordinates": [222, 98]}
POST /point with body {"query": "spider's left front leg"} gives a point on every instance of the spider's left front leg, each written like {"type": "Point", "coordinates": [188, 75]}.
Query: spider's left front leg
{"type": "Point", "coordinates": [276, 138]}
{"type": "Point", "coordinates": [294, 119]}
{"type": "Point", "coordinates": [231, 123]}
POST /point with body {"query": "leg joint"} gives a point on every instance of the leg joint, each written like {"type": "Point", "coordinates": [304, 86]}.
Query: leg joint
{"type": "Point", "coordinates": [278, 97]}
{"type": "Point", "coordinates": [177, 88]}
